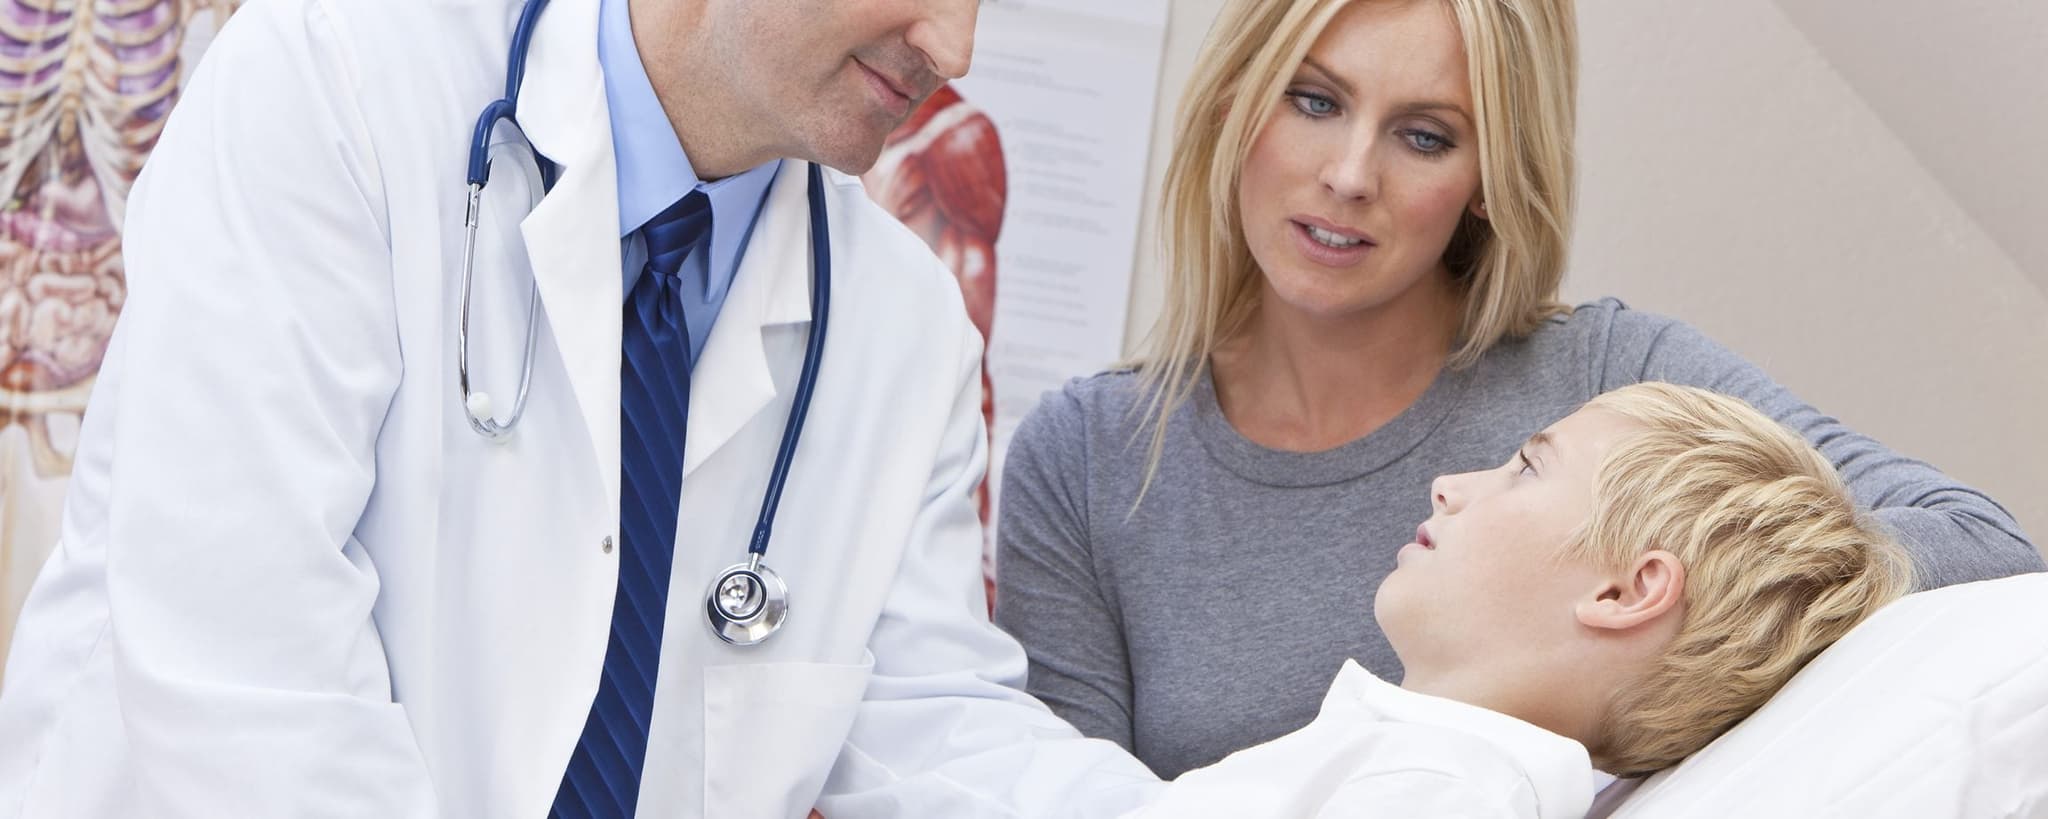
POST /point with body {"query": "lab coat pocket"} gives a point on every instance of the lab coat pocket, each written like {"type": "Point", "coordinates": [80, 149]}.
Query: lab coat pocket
{"type": "Point", "coordinates": [772, 731]}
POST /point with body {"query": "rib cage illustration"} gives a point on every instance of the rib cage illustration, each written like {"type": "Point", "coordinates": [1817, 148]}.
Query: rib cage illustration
{"type": "Point", "coordinates": [84, 90]}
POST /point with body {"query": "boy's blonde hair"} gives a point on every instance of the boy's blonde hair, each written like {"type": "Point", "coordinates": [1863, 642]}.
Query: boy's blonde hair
{"type": "Point", "coordinates": [1522, 56]}
{"type": "Point", "coordinates": [1778, 563]}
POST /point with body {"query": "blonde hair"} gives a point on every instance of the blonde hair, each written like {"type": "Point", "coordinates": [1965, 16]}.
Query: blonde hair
{"type": "Point", "coordinates": [1522, 56]}
{"type": "Point", "coordinates": [1778, 563]}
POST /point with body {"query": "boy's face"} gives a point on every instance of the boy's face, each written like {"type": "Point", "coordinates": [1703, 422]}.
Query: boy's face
{"type": "Point", "coordinates": [1484, 582]}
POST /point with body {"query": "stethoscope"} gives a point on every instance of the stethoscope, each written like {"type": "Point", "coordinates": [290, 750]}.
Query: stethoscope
{"type": "Point", "coordinates": [747, 601]}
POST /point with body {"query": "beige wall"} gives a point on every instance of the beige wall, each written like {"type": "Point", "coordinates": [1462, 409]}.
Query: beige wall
{"type": "Point", "coordinates": [1828, 188]}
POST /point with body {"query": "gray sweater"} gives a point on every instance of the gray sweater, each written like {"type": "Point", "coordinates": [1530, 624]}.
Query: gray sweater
{"type": "Point", "coordinates": [1215, 617]}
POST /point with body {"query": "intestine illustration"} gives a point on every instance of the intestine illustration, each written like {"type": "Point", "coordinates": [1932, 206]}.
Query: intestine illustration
{"type": "Point", "coordinates": [84, 89]}
{"type": "Point", "coordinates": [85, 86]}
{"type": "Point", "coordinates": [942, 173]}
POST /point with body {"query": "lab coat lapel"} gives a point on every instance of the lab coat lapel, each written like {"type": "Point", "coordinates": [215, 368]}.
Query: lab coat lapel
{"type": "Point", "coordinates": [572, 237]}
{"type": "Point", "coordinates": [732, 382]}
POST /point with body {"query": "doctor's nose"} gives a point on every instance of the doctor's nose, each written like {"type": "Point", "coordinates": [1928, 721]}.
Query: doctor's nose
{"type": "Point", "coordinates": [945, 36]}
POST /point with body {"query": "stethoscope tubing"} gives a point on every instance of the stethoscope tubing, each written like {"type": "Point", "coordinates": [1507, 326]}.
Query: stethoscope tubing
{"type": "Point", "coordinates": [476, 405]}
{"type": "Point", "coordinates": [814, 352]}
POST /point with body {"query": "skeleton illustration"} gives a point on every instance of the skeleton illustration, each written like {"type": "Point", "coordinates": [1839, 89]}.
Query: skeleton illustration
{"type": "Point", "coordinates": [942, 174]}
{"type": "Point", "coordinates": [84, 89]}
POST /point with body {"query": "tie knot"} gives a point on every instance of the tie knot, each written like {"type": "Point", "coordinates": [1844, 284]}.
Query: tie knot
{"type": "Point", "coordinates": [674, 232]}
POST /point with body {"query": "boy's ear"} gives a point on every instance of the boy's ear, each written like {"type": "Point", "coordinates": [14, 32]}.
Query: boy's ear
{"type": "Point", "coordinates": [1642, 593]}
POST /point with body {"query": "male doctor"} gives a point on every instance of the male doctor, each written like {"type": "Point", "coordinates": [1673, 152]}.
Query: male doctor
{"type": "Point", "coordinates": [293, 581]}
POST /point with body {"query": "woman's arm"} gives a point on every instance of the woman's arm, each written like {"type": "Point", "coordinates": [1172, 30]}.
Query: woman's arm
{"type": "Point", "coordinates": [1956, 534]}
{"type": "Point", "coordinates": [1047, 593]}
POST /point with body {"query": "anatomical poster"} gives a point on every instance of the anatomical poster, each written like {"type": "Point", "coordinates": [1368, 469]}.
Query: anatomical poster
{"type": "Point", "coordinates": [1026, 176]}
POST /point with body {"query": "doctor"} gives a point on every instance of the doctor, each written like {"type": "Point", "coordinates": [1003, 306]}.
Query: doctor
{"type": "Point", "coordinates": [300, 575]}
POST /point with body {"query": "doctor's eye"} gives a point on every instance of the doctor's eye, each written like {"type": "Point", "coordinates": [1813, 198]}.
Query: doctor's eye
{"type": "Point", "coordinates": [1311, 104]}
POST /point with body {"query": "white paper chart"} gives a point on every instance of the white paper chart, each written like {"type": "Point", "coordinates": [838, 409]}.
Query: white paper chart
{"type": "Point", "coordinates": [1071, 86]}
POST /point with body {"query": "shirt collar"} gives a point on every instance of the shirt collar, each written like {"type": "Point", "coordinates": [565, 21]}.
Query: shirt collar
{"type": "Point", "coordinates": [1557, 766]}
{"type": "Point", "coordinates": [653, 170]}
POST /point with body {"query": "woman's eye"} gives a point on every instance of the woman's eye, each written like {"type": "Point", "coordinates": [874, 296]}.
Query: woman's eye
{"type": "Point", "coordinates": [1314, 105]}
{"type": "Point", "coordinates": [1426, 142]}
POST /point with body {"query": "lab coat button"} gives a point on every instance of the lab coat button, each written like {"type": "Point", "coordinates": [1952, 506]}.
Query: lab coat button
{"type": "Point", "coordinates": [606, 545]}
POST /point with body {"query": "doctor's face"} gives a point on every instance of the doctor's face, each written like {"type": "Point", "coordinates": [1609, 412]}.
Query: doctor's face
{"type": "Point", "coordinates": [827, 80]}
{"type": "Point", "coordinates": [1365, 164]}
{"type": "Point", "coordinates": [1486, 580]}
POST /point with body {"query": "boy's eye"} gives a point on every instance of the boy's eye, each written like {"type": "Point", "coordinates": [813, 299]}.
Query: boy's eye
{"type": "Point", "coordinates": [1527, 467]}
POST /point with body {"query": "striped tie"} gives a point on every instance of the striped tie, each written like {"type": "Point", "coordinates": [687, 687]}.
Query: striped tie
{"type": "Point", "coordinates": [603, 779]}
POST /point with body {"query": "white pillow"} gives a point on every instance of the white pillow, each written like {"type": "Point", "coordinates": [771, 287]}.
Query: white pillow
{"type": "Point", "coordinates": [1935, 707]}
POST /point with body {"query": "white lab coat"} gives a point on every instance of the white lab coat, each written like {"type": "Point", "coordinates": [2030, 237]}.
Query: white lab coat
{"type": "Point", "coordinates": [292, 582]}
{"type": "Point", "coordinates": [1378, 750]}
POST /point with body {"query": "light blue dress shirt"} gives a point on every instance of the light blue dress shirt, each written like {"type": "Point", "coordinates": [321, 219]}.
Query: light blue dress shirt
{"type": "Point", "coordinates": [654, 173]}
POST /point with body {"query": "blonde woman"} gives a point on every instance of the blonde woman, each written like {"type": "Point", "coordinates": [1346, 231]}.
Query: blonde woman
{"type": "Point", "coordinates": [1366, 223]}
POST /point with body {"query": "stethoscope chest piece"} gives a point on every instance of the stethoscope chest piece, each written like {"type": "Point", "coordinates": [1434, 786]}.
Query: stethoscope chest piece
{"type": "Point", "coordinates": [747, 603]}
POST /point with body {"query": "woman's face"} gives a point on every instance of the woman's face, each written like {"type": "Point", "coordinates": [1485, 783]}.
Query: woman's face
{"type": "Point", "coordinates": [1365, 165]}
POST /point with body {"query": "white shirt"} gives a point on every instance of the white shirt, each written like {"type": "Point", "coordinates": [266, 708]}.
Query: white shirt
{"type": "Point", "coordinates": [1379, 750]}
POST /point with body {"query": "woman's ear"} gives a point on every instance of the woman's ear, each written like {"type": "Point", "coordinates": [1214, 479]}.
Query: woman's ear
{"type": "Point", "coordinates": [1478, 209]}
{"type": "Point", "coordinates": [1651, 587]}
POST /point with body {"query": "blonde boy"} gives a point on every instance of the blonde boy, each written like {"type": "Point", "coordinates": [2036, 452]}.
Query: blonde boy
{"type": "Point", "coordinates": [1633, 582]}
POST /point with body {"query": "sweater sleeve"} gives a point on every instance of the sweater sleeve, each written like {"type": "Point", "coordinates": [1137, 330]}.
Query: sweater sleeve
{"type": "Point", "coordinates": [1956, 534]}
{"type": "Point", "coordinates": [1047, 591]}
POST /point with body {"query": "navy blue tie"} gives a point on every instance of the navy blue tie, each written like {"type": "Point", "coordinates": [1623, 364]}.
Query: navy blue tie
{"type": "Point", "coordinates": [603, 779]}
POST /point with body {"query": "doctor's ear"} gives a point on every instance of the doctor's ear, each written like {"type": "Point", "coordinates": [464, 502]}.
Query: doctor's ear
{"type": "Point", "coordinates": [1650, 587]}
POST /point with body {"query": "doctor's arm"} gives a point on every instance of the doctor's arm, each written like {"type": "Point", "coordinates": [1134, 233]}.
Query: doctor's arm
{"type": "Point", "coordinates": [944, 729]}
{"type": "Point", "coordinates": [254, 362]}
